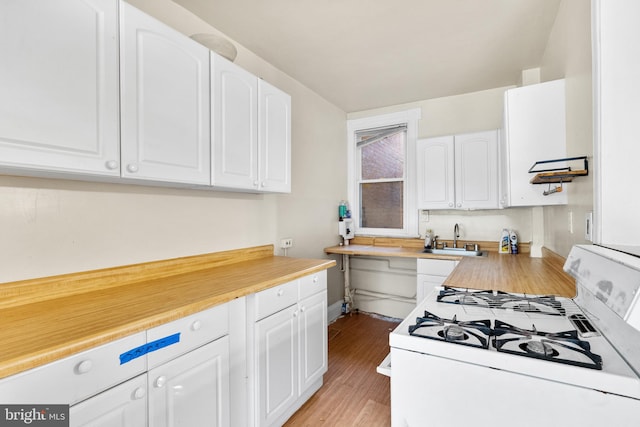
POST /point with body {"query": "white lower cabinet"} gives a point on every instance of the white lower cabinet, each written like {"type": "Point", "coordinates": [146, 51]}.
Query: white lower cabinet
{"type": "Point", "coordinates": [252, 361]}
{"type": "Point", "coordinates": [432, 273]}
{"type": "Point", "coordinates": [289, 347]}
{"type": "Point", "coordinates": [192, 390]}
{"type": "Point", "coordinates": [313, 344]}
{"type": "Point", "coordinates": [277, 367]}
{"type": "Point", "coordinates": [124, 405]}
{"type": "Point", "coordinates": [84, 375]}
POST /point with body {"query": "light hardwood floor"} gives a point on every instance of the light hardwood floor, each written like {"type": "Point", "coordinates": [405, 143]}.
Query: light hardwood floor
{"type": "Point", "coordinates": [353, 394]}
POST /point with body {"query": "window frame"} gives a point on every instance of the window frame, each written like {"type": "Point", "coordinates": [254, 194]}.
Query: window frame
{"type": "Point", "coordinates": [409, 118]}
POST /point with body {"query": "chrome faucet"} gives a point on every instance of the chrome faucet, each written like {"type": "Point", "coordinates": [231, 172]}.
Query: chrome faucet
{"type": "Point", "coordinates": [456, 234]}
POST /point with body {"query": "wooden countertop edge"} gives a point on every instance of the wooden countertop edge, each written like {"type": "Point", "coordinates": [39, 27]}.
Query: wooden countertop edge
{"type": "Point", "coordinates": [49, 329]}
{"type": "Point", "coordinates": [509, 273]}
{"type": "Point", "coordinates": [408, 247]}
{"type": "Point", "coordinates": [52, 287]}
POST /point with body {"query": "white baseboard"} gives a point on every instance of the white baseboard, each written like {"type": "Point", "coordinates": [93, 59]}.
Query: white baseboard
{"type": "Point", "coordinates": [334, 311]}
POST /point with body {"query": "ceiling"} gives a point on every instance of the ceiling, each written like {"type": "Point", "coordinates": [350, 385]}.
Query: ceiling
{"type": "Point", "coordinates": [364, 54]}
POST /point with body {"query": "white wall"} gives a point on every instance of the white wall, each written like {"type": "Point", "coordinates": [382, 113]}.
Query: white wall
{"type": "Point", "coordinates": [55, 226]}
{"type": "Point", "coordinates": [568, 55]}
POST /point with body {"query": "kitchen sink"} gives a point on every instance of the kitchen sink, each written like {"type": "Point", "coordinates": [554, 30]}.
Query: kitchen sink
{"type": "Point", "coordinates": [455, 251]}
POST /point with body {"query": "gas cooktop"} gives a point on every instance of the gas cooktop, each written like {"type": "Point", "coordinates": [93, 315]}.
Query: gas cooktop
{"type": "Point", "coordinates": [506, 322]}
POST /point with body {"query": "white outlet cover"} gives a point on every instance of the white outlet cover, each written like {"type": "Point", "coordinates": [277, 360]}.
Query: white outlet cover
{"type": "Point", "coordinates": [588, 226]}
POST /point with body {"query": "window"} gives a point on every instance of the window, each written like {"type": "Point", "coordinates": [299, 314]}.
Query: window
{"type": "Point", "coordinates": [382, 174]}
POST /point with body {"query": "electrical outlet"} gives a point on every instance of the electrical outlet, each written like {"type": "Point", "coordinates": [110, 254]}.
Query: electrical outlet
{"type": "Point", "coordinates": [286, 243]}
{"type": "Point", "coordinates": [588, 226]}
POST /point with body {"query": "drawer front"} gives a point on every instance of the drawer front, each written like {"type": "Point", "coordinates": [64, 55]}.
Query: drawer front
{"type": "Point", "coordinates": [195, 331]}
{"type": "Point", "coordinates": [274, 299]}
{"type": "Point", "coordinates": [436, 267]}
{"type": "Point", "coordinates": [77, 377]}
{"type": "Point", "coordinates": [312, 284]}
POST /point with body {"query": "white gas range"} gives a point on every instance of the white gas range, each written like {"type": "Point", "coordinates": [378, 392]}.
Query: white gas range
{"type": "Point", "coordinates": [467, 357]}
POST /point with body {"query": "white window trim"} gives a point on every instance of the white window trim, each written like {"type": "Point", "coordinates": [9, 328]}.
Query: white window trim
{"type": "Point", "coordinates": [410, 220]}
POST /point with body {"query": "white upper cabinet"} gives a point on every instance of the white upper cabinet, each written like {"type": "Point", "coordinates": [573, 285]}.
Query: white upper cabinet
{"type": "Point", "coordinates": [59, 86]}
{"type": "Point", "coordinates": [165, 102]}
{"type": "Point", "coordinates": [534, 130]}
{"type": "Point", "coordinates": [251, 131]}
{"type": "Point", "coordinates": [458, 172]}
{"type": "Point", "coordinates": [476, 168]}
{"type": "Point", "coordinates": [97, 89]}
{"type": "Point", "coordinates": [435, 161]}
{"type": "Point", "coordinates": [235, 124]}
{"type": "Point", "coordinates": [616, 57]}
{"type": "Point", "coordinates": [274, 138]}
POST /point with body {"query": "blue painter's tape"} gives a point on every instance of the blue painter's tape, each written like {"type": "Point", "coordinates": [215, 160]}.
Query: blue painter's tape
{"type": "Point", "coordinates": [134, 353]}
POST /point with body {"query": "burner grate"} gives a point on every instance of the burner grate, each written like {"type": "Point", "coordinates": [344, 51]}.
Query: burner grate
{"type": "Point", "coordinates": [562, 347]}
{"type": "Point", "coordinates": [545, 304]}
{"type": "Point", "coordinates": [475, 333]}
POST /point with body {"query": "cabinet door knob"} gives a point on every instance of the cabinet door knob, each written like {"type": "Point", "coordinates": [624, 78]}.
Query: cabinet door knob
{"type": "Point", "coordinates": [132, 167]}
{"type": "Point", "coordinates": [450, 205]}
{"type": "Point", "coordinates": [139, 393]}
{"type": "Point", "coordinates": [459, 204]}
{"type": "Point", "coordinates": [161, 381]}
{"type": "Point", "coordinates": [302, 308]}
{"type": "Point", "coordinates": [315, 279]}
{"type": "Point", "coordinates": [112, 164]}
{"type": "Point", "coordinates": [196, 325]}
{"type": "Point", "coordinates": [295, 313]}
{"type": "Point", "coordinates": [255, 183]}
{"type": "Point", "coordinates": [263, 184]}
{"type": "Point", "coordinates": [84, 366]}
{"type": "Point", "coordinates": [280, 292]}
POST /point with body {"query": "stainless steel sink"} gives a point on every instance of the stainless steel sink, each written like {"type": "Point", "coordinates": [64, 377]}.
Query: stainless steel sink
{"type": "Point", "coordinates": [455, 251]}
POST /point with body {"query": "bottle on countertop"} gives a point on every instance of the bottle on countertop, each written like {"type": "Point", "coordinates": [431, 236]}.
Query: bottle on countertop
{"type": "Point", "coordinates": [342, 209]}
{"type": "Point", "coordinates": [503, 247]}
{"type": "Point", "coordinates": [513, 241]}
{"type": "Point", "coordinates": [428, 239]}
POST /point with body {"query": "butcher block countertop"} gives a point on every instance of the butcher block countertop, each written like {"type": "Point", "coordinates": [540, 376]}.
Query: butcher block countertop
{"type": "Point", "coordinates": [43, 320]}
{"type": "Point", "coordinates": [502, 272]}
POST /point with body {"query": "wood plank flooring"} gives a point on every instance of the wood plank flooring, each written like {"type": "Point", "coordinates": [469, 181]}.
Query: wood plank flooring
{"type": "Point", "coordinates": [353, 394]}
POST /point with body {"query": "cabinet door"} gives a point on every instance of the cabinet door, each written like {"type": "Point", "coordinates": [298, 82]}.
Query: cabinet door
{"type": "Point", "coordinates": [616, 125]}
{"type": "Point", "coordinates": [165, 102]}
{"type": "Point", "coordinates": [192, 390]}
{"type": "Point", "coordinates": [274, 138]}
{"type": "Point", "coordinates": [234, 115]}
{"type": "Point", "coordinates": [59, 85]}
{"type": "Point", "coordinates": [432, 273]}
{"type": "Point", "coordinates": [313, 339]}
{"type": "Point", "coordinates": [435, 163]}
{"type": "Point", "coordinates": [124, 405]}
{"type": "Point", "coordinates": [476, 170]}
{"type": "Point", "coordinates": [277, 364]}
{"type": "Point", "coordinates": [534, 130]}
